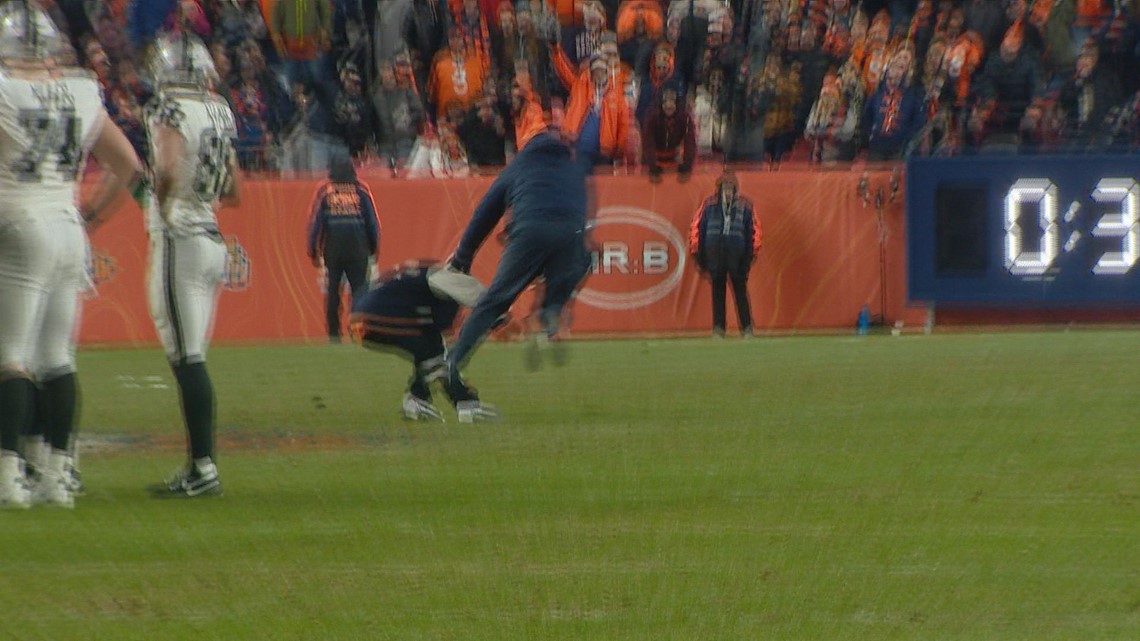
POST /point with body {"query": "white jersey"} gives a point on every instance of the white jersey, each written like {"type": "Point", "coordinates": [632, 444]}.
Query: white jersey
{"type": "Point", "coordinates": [206, 122]}
{"type": "Point", "coordinates": [47, 127]}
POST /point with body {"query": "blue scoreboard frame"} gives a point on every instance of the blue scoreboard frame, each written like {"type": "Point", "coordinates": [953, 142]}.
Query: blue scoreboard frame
{"type": "Point", "coordinates": [1046, 231]}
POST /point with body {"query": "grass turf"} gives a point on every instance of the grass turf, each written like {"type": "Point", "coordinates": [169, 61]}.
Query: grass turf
{"type": "Point", "coordinates": [978, 486]}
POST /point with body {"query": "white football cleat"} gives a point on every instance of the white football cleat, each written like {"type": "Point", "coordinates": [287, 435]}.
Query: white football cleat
{"type": "Point", "coordinates": [52, 490]}
{"type": "Point", "coordinates": [14, 492]}
{"type": "Point", "coordinates": [417, 409]}
{"type": "Point", "coordinates": [476, 412]}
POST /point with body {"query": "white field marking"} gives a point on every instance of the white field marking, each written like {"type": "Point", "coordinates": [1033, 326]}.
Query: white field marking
{"type": "Point", "coordinates": [126, 381]}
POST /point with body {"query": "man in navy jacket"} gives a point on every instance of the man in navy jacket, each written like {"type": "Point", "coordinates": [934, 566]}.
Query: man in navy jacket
{"type": "Point", "coordinates": [546, 191]}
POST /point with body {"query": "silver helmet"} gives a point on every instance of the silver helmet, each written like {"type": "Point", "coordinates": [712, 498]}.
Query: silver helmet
{"type": "Point", "coordinates": [180, 60]}
{"type": "Point", "coordinates": [27, 33]}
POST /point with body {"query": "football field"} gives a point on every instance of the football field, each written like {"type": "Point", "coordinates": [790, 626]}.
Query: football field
{"type": "Point", "coordinates": [954, 486]}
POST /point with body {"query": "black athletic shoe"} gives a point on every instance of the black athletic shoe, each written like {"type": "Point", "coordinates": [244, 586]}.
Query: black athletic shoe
{"type": "Point", "coordinates": [190, 482]}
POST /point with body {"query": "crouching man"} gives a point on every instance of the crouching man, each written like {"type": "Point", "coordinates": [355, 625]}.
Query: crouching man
{"type": "Point", "coordinates": [406, 313]}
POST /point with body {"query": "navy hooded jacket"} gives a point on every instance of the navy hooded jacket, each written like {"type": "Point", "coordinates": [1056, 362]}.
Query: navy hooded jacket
{"type": "Point", "coordinates": [541, 185]}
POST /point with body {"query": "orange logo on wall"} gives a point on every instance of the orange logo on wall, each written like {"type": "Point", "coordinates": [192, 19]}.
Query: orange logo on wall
{"type": "Point", "coordinates": [101, 267]}
{"type": "Point", "coordinates": [238, 266]}
{"type": "Point", "coordinates": [639, 258]}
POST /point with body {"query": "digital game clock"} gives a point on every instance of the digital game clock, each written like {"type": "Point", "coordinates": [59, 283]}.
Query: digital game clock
{"type": "Point", "coordinates": [1036, 230]}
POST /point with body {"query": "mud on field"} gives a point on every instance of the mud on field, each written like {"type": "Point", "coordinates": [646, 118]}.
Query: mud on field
{"type": "Point", "coordinates": [237, 440]}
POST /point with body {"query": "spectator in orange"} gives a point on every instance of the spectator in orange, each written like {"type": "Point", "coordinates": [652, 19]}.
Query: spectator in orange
{"type": "Point", "coordinates": [455, 76]}
{"type": "Point", "coordinates": [963, 57]}
{"type": "Point", "coordinates": [526, 111]}
{"type": "Point", "coordinates": [878, 51]}
{"type": "Point", "coordinates": [646, 12]}
{"type": "Point", "coordinates": [597, 114]}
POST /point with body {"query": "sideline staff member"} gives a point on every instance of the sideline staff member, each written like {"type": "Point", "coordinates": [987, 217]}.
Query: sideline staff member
{"type": "Point", "coordinates": [344, 236]}
{"type": "Point", "coordinates": [725, 240]}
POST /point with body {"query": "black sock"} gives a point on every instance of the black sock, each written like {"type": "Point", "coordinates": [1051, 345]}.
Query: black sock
{"type": "Point", "coordinates": [458, 389]}
{"type": "Point", "coordinates": [15, 410]}
{"type": "Point", "coordinates": [419, 388]}
{"type": "Point", "coordinates": [57, 408]}
{"type": "Point", "coordinates": [34, 428]}
{"type": "Point", "coordinates": [197, 407]}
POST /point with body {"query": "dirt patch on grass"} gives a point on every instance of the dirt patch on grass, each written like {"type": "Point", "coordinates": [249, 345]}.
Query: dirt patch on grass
{"type": "Point", "coordinates": [231, 441]}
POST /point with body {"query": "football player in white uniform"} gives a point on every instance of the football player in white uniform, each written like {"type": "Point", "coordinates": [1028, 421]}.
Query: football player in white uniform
{"type": "Point", "coordinates": [50, 119]}
{"type": "Point", "coordinates": [192, 133]}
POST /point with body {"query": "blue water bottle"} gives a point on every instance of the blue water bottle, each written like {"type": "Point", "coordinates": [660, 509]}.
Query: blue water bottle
{"type": "Point", "coordinates": [863, 324]}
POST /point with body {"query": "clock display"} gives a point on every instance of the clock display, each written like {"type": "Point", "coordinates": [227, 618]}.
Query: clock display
{"type": "Point", "coordinates": [1047, 231]}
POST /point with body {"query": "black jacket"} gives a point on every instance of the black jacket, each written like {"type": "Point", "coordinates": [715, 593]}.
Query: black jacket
{"type": "Point", "coordinates": [343, 222]}
{"type": "Point", "coordinates": [725, 240]}
{"type": "Point", "coordinates": [403, 304]}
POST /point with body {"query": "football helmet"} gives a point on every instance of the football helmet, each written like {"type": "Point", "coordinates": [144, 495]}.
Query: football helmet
{"type": "Point", "coordinates": [180, 60]}
{"type": "Point", "coordinates": [27, 33]}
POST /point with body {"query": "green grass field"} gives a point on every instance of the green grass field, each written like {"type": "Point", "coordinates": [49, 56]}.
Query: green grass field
{"type": "Point", "coordinates": [964, 486]}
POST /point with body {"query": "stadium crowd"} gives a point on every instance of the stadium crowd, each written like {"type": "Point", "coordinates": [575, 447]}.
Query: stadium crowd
{"type": "Point", "coordinates": [434, 87]}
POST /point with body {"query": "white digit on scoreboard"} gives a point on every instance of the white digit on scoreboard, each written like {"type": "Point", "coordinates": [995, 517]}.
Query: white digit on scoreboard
{"type": "Point", "coordinates": [1124, 224]}
{"type": "Point", "coordinates": [1042, 193]}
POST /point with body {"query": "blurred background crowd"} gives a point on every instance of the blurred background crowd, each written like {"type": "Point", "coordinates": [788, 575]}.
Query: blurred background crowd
{"type": "Point", "coordinates": [437, 87]}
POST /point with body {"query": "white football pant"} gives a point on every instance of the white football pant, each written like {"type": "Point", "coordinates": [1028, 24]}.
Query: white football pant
{"type": "Point", "coordinates": [183, 284]}
{"type": "Point", "coordinates": [42, 272]}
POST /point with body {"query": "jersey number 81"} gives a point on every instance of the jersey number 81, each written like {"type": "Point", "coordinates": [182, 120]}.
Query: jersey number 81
{"type": "Point", "coordinates": [213, 164]}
